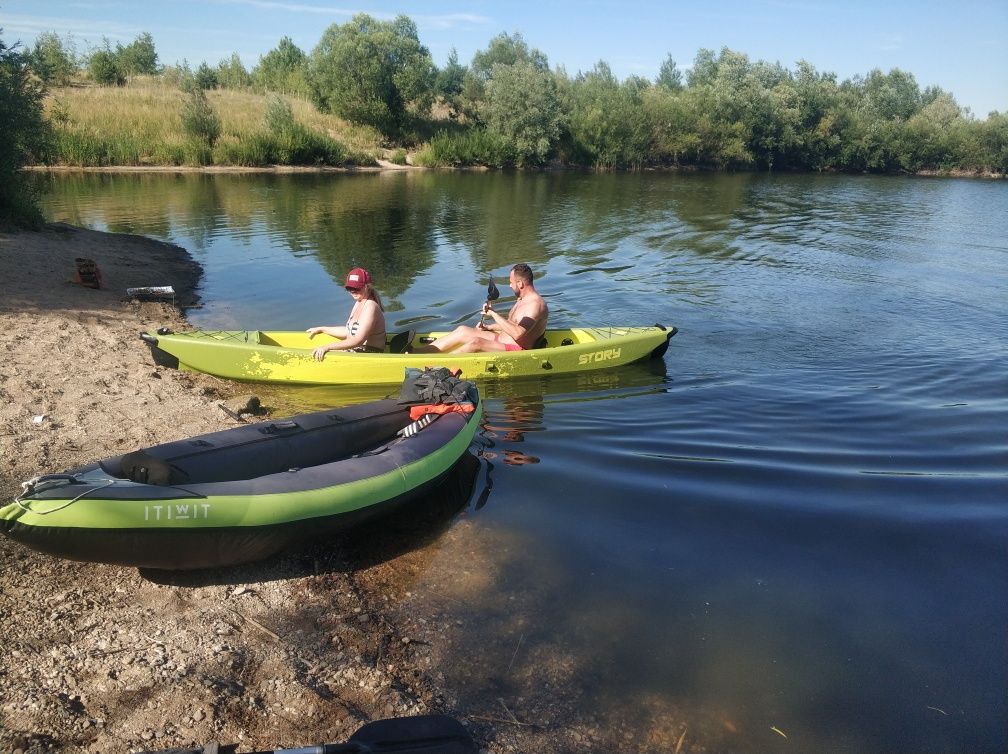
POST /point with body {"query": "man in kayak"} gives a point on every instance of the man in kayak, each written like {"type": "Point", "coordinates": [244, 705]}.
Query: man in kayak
{"type": "Point", "coordinates": [365, 328]}
{"type": "Point", "coordinates": [524, 325]}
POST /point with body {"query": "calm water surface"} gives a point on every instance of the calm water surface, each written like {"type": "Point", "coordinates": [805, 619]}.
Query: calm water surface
{"type": "Point", "coordinates": [798, 520]}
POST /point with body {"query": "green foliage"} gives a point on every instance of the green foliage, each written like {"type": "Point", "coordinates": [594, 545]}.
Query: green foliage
{"type": "Point", "coordinates": [138, 57]}
{"type": "Point", "coordinates": [891, 96]}
{"type": "Point", "coordinates": [522, 106]}
{"type": "Point", "coordinates": [370, 71]}
{"type": "Point", "coordinates": [607, 121]}
{"type": "Point", "coordinates": [993, 138]}
{"type": "Point", "coordinates": [669, 77]}
{"type": "Point", "coordinates": [504, 50]}
{"type": "Point", "coordinates": [753, 110]}
{"type": "Point", "coordinates": [933, 139]}
{"type": "Point", "coordinates": [282, 69]}
{"type": "Point", "coordinates": [284, 141]}
{"type": "Point", "coordinates": [206, 77]}
{"type": "Point", "coordinates": [231, 73]}
{"type": "Point", "coordinates": [477, 146]}
{"type": "Point", "coordinates": [398, 157]}
{"type": "Point", "coordinates": [672, 124]}
{"type": "Point", "coordinates": [24, 138]}
{"type": "Point", "coordinates": [200, 122]}
{"type": "Point", "coordinates": [296, 146]}
{"type": "Point", "coordinates": [279, 117]}
{"type": "Point", "coordinates": [73, 147]}
{"type": "Point", "coordinates": [725, 112]}
{"type": "Point", "coordinates": [449, 82]}
{"type": "Point", "coordinates": [105, 68]}
{"type": "Point", "coordinates": [53, 60]}
{"type": "Point", "coordinates": [179, 75]}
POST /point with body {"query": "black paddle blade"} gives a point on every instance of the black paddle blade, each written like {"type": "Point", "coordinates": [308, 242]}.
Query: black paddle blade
{"type": "Point", "coordinates": [424, 734]}
{"type": "Point", "coordinates": [492, 293]}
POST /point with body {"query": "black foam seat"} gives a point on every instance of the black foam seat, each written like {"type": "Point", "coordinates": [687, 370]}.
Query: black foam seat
{"type": "Point", "coordinates": [401, 341]}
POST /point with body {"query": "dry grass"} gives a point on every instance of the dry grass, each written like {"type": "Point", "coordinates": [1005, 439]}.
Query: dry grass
{"type": "Point", "coordinates": [140, 124]}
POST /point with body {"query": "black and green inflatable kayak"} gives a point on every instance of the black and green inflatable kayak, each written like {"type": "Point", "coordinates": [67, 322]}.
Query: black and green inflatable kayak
{"type": "Point", "coordinates": [242, 494]}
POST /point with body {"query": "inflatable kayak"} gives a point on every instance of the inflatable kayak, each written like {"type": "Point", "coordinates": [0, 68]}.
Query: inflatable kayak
{"type": "Point", "coordinates": [286, 356]}
{"type": "Point", "coordinates": [244, 493]}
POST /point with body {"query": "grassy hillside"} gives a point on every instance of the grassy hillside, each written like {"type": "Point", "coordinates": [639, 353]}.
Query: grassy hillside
{"type": "Point", "coordinates": [141, 124]}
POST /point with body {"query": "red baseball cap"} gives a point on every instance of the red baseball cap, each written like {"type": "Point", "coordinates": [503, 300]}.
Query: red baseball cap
{"type": "Point", "coordinates": [357, 278]}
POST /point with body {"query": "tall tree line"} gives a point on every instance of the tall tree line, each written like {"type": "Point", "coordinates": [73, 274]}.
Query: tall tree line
{"type": "Point", "coordinates": [509, 107]}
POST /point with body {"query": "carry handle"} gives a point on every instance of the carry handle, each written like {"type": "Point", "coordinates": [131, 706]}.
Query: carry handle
{"type": "Point", "coordinates": [276, 427]}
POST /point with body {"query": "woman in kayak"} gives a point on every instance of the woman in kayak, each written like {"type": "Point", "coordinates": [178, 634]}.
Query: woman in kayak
{"type": "Point", "coordinates": [524, 325]}
{"type": "Point", "coordinates": [365, 328]}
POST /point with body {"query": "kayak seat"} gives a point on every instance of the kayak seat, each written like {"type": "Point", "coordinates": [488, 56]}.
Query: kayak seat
{"type": "Point", "coordinates": [140, 466]}
{"type": "Point", "coordinates": [400, 342]}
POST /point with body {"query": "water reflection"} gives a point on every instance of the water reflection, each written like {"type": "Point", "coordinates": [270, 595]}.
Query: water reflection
{"type": "Point", "coordinates": [509, 425]}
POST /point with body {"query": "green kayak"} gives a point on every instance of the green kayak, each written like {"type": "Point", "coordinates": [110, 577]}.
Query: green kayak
{"type": "Point", "coordinates": [286, 356]}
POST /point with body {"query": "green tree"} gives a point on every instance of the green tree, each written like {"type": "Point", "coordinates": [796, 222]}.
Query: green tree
{"type": "Point", "coordinates": [231, 73]}
{"type": "Point", "coordinates": [937, 137]}
{"type": "Point", "coordinates": [206, 77]}
{"type": "Point", "coordinates": [607, 122]}
{"type": "Point", "coordinates": [892, 96]}
{"type": "Point", "coordinates": [24, 138]}
{"type": "Point", "coordinates": [449, 81]}
{"type": "Point", "coordinates": [504, 50]}
{"type": "Point", "coordinates": [818, 118]}
{"type": "Point", "coordinates": [752, 109]}
{"type": "Point", "coordinates": [669, 76]}
{"type": "Point", "coordinates": [201, 124]}
{"type": "Point", "coordinates": [522, 107]}
{"type": "Point", "coordinates": [105, 68]}
{"type": "Point", "coordinates": [672, 126]}
{"type": "Point", "coordinates": [53, 60]}
{"type": "Point", "coordinates": [138, 57]}
{"type": "Point", "coordinates": [282, 69]}
{"type": "Point", "coordinates": [993, 138]}
{"type": "Point", "coordinates": [371, 71]}
{"type": "Point", "coordinates": [704, 70]}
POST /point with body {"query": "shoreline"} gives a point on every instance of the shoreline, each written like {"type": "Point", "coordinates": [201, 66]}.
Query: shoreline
{"type": "Point", "coordinates": [385, 166]}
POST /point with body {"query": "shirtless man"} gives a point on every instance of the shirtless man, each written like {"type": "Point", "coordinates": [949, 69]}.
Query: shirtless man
{"type": "Point", "coordinates": [525, 323]}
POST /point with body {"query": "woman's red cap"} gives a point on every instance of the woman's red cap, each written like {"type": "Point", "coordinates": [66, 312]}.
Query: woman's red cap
{"type": "Point", "coordinates": [357, 278]}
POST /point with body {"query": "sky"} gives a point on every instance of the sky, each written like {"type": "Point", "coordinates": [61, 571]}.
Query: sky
{"type": "Point", "coordinates": [961, 47]}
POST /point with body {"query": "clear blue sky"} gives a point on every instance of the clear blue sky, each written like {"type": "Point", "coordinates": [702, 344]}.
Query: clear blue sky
{"type": "Point", "coordinates": [959, 46]}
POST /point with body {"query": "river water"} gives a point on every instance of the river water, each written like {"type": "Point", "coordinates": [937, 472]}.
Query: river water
{"type": "Point", "coordinates": [789, 534]}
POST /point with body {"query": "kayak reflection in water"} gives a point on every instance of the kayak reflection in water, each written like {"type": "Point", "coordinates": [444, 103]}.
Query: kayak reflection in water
{"type": "Point", "coordinates": [524, 325]}
{"type": "Point", "coordinates": [365, 327]}
{"type": "Point", "coordinates": [521, 415]}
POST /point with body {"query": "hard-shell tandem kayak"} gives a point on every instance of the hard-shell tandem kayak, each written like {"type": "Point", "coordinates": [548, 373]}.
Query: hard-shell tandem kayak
{"type": "Point", "coordinates": [286, 356]}
{"type": "Point", "coordinates": [242, 494]}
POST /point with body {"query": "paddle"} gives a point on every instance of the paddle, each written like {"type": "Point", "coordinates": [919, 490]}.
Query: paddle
{"type": "Point", "coordinates": [424, 734]}
{"type": "Point", "coordinates": [492, 295]}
